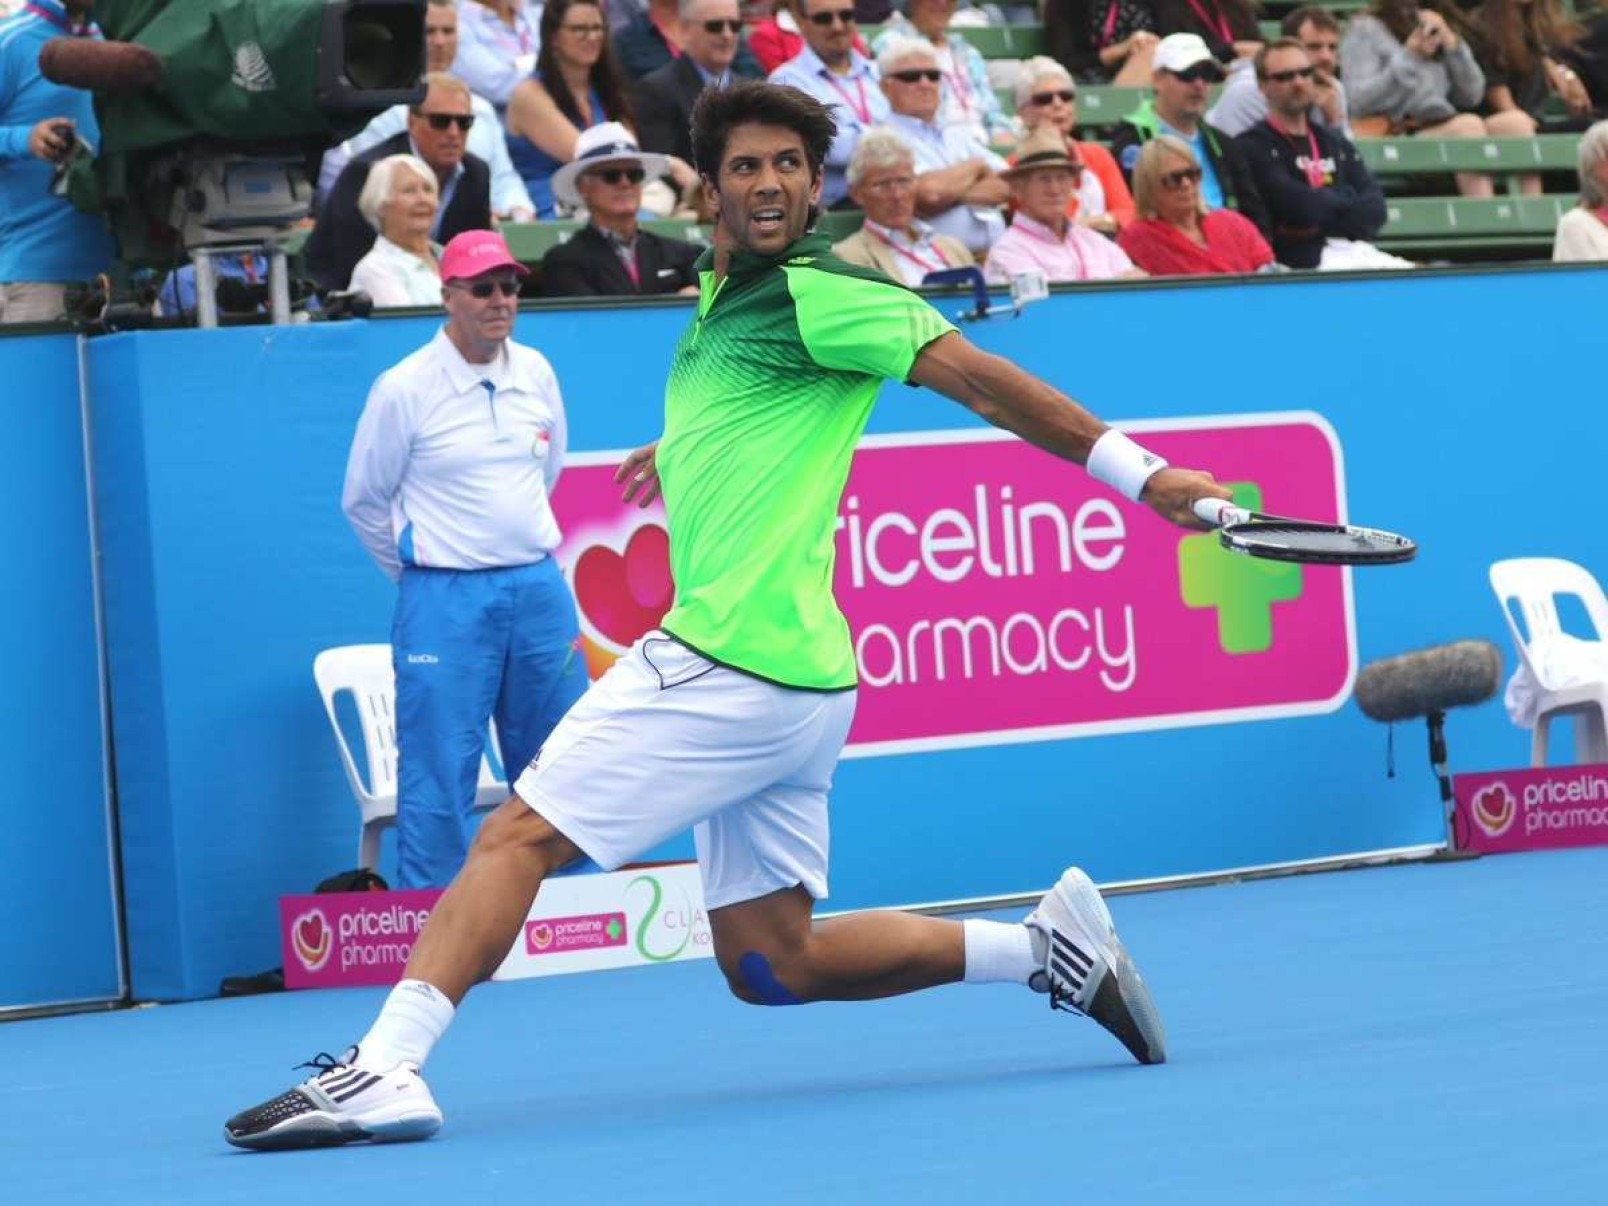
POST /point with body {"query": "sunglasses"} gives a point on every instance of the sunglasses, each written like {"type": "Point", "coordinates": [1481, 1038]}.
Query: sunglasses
{"type": "Point", "coordinates": [1200, 73]}
{"type": "Point", "coordinates": [932, 75]}
{"type": "Point", "coordinates": [584, 31]}
{"type": "Point", "coordinates": [614, 175]}
{"type": "Point", "coordinates": [1284, 77]}
{"type": "Point", "coordinates": [1177, 180]}
{"type": "Point", "coordinates": [443, 121]}
{"type": "Point", "coordinates": [1048, 98]}
{"type": "Point", "coordinates": [845, 15]}
{"type": "Point", "coordinates": [484, 289]}
{"type": "Point", "coordinates": [720, 25]}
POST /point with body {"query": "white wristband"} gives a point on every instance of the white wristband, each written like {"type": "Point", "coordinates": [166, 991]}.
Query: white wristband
{"type": "Point", "coordinates": [1121, 464]}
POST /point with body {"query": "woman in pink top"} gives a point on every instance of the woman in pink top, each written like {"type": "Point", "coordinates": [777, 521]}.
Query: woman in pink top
{"type": "Point", "coordinates": [1175, 234]}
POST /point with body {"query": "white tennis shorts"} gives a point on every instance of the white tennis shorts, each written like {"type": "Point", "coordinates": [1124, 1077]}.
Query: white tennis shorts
{"type": "Point", "coordinates": [668, 740]}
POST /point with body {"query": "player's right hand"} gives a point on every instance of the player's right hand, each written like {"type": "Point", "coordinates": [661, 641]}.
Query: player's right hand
{"type": "Point", "coordinates": [1172, 494]}
{"type": "Point", "coordinates": [51, 139]}
{"type": "Point", "coordinates": [640, 474]}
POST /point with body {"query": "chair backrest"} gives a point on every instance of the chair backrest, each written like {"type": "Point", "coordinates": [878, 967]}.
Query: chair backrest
{"type": "Point", "coordinates": [365, 671]}
{"type": "Point", "coordinates": [1534, 584]}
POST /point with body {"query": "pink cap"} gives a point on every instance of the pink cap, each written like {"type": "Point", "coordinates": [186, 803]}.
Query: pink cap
{"type": "Point", "coordinates": [475, 252]}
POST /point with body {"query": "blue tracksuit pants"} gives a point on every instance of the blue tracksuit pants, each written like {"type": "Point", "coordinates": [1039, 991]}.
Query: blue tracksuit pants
{"type": "Point", "coordinates": [471, 645]}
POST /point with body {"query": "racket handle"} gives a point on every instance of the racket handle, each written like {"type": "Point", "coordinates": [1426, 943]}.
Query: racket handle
{"type": "Point", "coordinates": [1219, 511]}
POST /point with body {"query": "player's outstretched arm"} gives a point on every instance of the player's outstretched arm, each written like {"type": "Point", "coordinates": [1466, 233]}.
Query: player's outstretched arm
{"type": "Point", "coordinates": [997, 391]}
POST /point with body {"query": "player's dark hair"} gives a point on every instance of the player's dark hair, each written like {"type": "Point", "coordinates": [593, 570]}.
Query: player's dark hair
{"type": "Point", "coordinates": [754, 102]}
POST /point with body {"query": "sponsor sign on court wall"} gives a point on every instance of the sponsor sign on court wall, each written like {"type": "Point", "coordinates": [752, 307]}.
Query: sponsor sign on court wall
{"type": "Point", "coordinates": [1541, 808]}
{"type": "Point", "coordinates": [997, 594]}
{"type": "Point", "coordinates": [578, 923]}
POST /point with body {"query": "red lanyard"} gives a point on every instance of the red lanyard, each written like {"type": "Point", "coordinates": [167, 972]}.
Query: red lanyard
{"type": "Point", "coordinates": [85, 29]}
{"type": "Point", "coordinates": [1214, 21]}
{"type": "Point", "coordinates": [861, 110]}
{"type": "Point", "coordinates": [919, 261]}
{"type": "Point", "coordinates": [675, 51]}
{"type": "Point", "coordinates": [960, 86]}
{"type": "Point", "coordinates": [1315, 174]}
{"type": "Point", "coordinates": [1069, 242]}
{"type": "Point", "coordinates": [1110, 25]}
{"type": "Point", "coordinates": [1602, 214]}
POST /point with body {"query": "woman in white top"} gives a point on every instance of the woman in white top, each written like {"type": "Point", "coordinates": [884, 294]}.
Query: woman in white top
{"type": "Point", "coordinates": [1583, 231]}
{"type": "Point", "coordinates": [399, 200]}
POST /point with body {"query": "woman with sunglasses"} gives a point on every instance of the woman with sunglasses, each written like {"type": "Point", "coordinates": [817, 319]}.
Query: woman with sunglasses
{"type": "Point", "coordinates": [1046, 95]}
{"type": "Point", "coordinates": [576, 86]}
{"type": "Point", "coordinates": [1175, 234]}
{"type": "Point", "coordinates": [403, 268]}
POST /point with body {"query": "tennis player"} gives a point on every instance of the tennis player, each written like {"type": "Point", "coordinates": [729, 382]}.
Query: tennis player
{"type": "Point", "coordinates": [731, 717]}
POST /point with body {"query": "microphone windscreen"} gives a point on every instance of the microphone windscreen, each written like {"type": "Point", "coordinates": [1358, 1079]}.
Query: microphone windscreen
{"type": "Point", "coordinates": [1430, 680]}
{"type": "Point", "coordinates": [100, 66]}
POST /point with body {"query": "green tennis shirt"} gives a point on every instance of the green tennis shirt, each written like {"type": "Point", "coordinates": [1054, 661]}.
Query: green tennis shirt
{"type": "Point", "coordinates": [768, 394]}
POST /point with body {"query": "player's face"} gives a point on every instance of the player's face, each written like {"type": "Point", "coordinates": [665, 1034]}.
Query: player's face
{"type": "Point", "coordinates": [765, 189]}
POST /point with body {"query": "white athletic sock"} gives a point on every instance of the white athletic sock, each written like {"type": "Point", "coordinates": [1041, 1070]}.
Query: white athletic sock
{"type": "Point", "coordinates": [999, 951]}
{"type": "Point", "coordinates": [412, 1020]}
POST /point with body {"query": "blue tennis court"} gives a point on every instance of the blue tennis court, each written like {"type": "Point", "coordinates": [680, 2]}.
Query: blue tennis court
{"type": "Point", "coordinates": [1426, 1033]}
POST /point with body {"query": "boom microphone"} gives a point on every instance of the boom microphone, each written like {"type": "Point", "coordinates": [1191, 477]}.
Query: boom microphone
{"type": "Point", "coordinates": [1429, 680]}
{"type": "Point", "coordinates": [100, 66]}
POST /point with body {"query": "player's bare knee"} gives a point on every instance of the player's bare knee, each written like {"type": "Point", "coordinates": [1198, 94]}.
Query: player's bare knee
{"type": "Point", "coordinates": [515, 828]}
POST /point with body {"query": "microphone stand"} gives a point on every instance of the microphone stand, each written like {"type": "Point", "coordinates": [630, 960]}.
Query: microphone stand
{"type": "Point", "coordinates": [1452, 851]}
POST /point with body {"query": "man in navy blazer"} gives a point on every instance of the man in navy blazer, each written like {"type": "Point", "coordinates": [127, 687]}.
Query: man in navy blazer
{"type": "Point", "coordinates": [437, 133]}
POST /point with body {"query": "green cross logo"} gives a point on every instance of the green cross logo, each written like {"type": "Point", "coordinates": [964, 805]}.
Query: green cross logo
{"type": "Point", "coordinates": [613, 929]}
{"type": "Point", "coordinates": [1242, 589]}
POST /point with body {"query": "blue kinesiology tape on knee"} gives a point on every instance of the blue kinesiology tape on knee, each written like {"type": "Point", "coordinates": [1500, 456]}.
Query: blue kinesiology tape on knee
{"type": "Point", "coordinates": [756, 972]}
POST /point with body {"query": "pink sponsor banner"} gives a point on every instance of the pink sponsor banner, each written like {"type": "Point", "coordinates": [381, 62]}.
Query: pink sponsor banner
{"type": "Point", "coordinates": [350, 939]}
{"type": "Point", "coordinates": [997, 594]}
{"type": "Point", "coordinates": [1534, 808]}
{"type": "Point", "coordinates": [555, 935]}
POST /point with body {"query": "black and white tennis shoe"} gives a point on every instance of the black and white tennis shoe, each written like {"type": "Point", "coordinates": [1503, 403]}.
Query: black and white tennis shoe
{"type": "Point", "coordinates": [340, 1103]}
{"type": "Point", "coordinates": [1087, 970]}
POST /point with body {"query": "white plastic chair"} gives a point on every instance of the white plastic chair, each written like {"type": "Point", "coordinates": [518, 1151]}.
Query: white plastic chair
{"type": "Point", "coordinates": [1533, 583]}
{"type": "Point", "coordinates": [365, 671]}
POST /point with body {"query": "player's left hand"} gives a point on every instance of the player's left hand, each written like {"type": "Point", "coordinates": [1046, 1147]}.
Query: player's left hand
{"type": "Point", "coordinates": [1172, 494]}
{"type": "Point", "coordinates": [640, 475]}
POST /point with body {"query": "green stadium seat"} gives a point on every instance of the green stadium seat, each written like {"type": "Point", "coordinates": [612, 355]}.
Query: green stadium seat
{"type": "Point", "coordinates": [1103, 106]}
{"type": "Point", "coordinates": [529, 241]}
{"type": "Point", "coordinates": [839, 224]}
{"type": "Point", "coordinates": [1005, 41]}
{"type": "Point", "coordinates": [1472, 228]}
{"type": "Point", "coordinates": [1407, 156]}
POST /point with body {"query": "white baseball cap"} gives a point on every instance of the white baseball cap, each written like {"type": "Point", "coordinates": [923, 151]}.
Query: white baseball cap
{"type": "Point", "coordinates": [1181, 51]}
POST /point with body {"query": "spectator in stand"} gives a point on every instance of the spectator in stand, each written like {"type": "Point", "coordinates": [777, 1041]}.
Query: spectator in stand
{"type": "Point", "coordinates": [1185, 71]}
{"type": "Point", "coordinates": [656, 36]}
{"type": "Point", "coordinates": [403, 268]}
{"type": "Point", "coordinates": [45, 243]}
{"type": "Point", "coordinates": [611, 255]}
{"type": "Point", "coordinates": [776, 39]}
{"type": "Point", "coordinates": [1408, 71]}
{"type": "Point", "coordinates": [1176, 233]}
{"type": "Point", "coordinates": [711, 33]}
{"type": "Point", "coordinates": [576, 86]}
{"type": "Point", "coordinates": [882, 182]}
{"type": "Point", "coordinates": [1531, 52]}
{"type": "Point", "coordinates": [438, 131]}
{"type": "Point", "coordinates": [1103, 43]}
{"type": "Point", "coordinates": [1228, 27]}
{"type": "Point", "coordinates": [509, 200]}
{"type": "Point", "coordinates": [1583, 231]}
{"type": "Point", "coordinates": [831, 70]}
{"type": "Point", "coordinates": [1046, 95]}
{"type": "Point", "coordinates": [1324, 202]}
{"type": "Point", "coordinates": [1041, 237]}
{"type": "Point", "coordinates": [1241, 104]}
{"type": "Point", "coordinates": [958, 184]}
{"type": "Point", "coordinates": [498, 41]}
{"type": "Point", "coordinates": [968, 98]}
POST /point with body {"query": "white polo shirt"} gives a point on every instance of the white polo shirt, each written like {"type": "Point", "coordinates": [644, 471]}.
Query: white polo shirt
{"type": "Point", "coordinates": [453, 463]}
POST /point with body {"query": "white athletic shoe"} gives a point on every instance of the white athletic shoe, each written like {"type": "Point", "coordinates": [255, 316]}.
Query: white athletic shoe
{"type": "Point", "coordinates": [1087, 970]}
{"type": "Point", "coordinates": [340, 1103]}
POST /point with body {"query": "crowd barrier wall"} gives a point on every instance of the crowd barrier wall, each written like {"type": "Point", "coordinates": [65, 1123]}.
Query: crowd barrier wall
{"type": "Point", "coordinates": [59, 944]}
{"type": "Point", "coordinates": [226, 565]}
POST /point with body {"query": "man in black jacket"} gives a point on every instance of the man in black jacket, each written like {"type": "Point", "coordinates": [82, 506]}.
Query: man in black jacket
{"type": "Point", "coordinates": [438, 129]}
{"type": "Point", "coordinates": [610, 255]}
{"type": "Point", "coordinates": [1183, 75]}
{"type": "Point", "coordinates": [663, 99]}
{"type": "Point", "coordinates": [1323, 201]}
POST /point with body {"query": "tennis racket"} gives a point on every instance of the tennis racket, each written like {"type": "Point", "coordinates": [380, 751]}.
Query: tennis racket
{"type": "Point", "coordinates": [1279, 539]}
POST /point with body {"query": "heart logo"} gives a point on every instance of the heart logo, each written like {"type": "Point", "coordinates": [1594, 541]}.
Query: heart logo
{"type": "Point", "coordinates": [538, 936]}
{"type": "Point", "coordinates": [624, 595]}
{"type": "Point", "coordinates": [1494, 809]}
{"type": "Point", "coordinates": [310, 936]}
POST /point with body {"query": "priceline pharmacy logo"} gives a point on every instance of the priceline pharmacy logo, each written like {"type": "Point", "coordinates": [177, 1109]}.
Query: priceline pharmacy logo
{"type": "Point", "coordinates": [1242, 589]}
